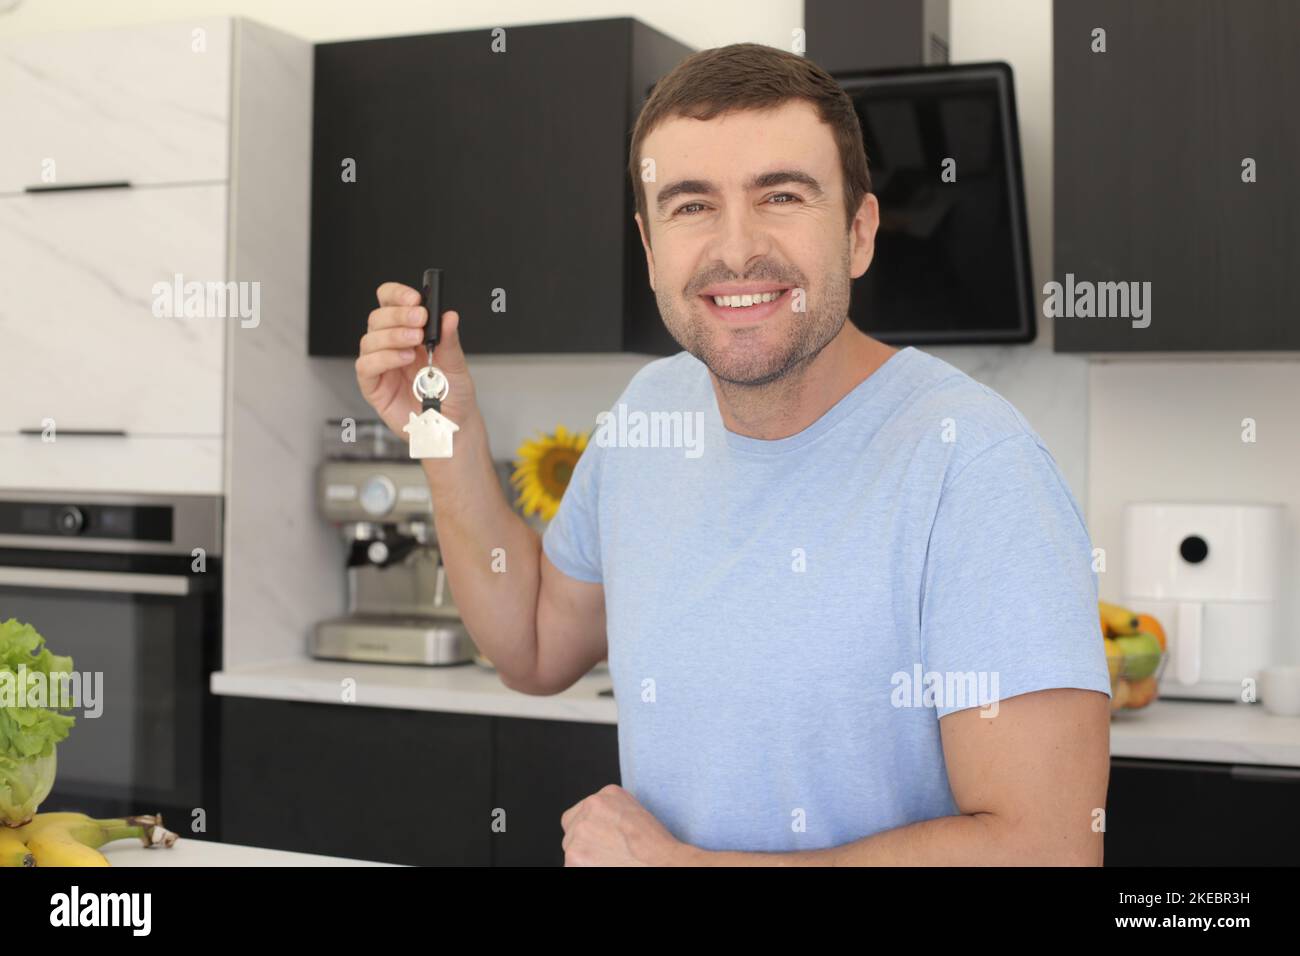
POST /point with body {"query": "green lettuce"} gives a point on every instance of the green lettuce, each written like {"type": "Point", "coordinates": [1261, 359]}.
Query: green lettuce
{"type": "Point", "coordinates": [28, 735]}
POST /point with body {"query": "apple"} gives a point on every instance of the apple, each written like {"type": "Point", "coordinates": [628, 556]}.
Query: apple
{"type": "Point", "coordinates": [1141, 655]}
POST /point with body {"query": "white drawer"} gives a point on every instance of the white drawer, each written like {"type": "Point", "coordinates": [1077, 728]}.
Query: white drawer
{"type": "Point", "coordinates": [79, 340]}
{"type": "Point", "coordinates": [135, 104]}
{"type": "Point", "coordinates": [102, 463]}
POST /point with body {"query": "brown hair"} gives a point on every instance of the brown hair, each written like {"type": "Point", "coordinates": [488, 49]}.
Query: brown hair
{"type": "Point", "coordinates": [751, 76]}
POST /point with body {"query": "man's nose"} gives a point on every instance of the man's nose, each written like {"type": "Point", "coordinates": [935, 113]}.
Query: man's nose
{"type": "Point", "coordinates": [741, 238]}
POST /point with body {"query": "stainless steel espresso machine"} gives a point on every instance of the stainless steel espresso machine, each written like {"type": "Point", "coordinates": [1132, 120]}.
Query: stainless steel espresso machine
{"type": "Point", "coordinates": [400, 608]}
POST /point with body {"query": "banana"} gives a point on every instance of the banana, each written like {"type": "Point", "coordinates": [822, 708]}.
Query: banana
{"type": "Point", "coordinates": [56, 846]}
{"type": "Point", "coordinates": [52, 832]}
{"type": "Point", "coordinates": [42, 820]}
{"type": "Point", "coordinates": [1117, 620]}
{"type": "Point", "coordinates": [13, 851]}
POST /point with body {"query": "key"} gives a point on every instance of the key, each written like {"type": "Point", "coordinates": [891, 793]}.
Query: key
{"type": "Point", "coordinates": [431, 431]}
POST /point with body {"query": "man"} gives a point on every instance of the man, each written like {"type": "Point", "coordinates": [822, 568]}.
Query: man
{"type": "Point", "coordinates": [858, 623]}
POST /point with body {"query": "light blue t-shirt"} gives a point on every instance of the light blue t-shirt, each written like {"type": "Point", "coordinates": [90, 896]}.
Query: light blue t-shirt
{"type": "Point", "coordinates": [788, 620]}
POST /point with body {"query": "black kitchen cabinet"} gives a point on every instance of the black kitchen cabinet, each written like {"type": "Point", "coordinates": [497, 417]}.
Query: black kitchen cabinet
{"type": "Point", "coordinates": [845, 36]}
{"type": "Point", "coordinates": [400, 786]}
{"type": "Point", "coordinates": [1150, 140]}
{"type": "Point", "coordinates": [369, 783]}
{"type": "Point", "coordinates": [425, 788]}
{"type": "Point", "coordinates": [1171, 813]}
{"type": "Point", "coordinates": [505, 169]}
{"type": "Point", "coordinates": [541, 768]}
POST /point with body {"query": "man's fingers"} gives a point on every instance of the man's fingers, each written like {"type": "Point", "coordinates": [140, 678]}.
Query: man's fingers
{"type": "Point", "coordinates": [394, 293]}
{"type": "Point", "coordinates": [377, 340]}
{"type": "Point", "coordinates": [567, 816]}
{"type": "Point", "coordinates": [371, 365]}
{"type": "Point", "coordinates": [448, 356]}
{"type": "Point", "coordinates": [396, 315]}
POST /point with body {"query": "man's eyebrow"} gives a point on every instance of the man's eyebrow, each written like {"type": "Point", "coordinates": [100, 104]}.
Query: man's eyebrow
{"type": "Point", "coordinates": [703, 187]}
{"type": "Point", "coordinates": [780, 177]}
{"type": "Point", "coordinates": [681, 187]}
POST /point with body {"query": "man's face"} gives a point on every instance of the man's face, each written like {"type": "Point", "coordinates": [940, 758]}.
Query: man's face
{"type": "Point", "coordinates": [751, 202]}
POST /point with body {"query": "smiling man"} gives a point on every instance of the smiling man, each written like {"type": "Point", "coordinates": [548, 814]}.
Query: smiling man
{"type": "Point", "coordinates": [859, 626]}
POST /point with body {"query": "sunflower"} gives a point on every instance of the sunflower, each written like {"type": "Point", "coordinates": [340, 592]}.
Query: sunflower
{"type": "Point", "coordinates": [543, 469]}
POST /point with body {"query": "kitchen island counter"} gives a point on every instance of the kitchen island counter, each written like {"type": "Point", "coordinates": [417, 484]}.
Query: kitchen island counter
{"type": "Point", "coordinates": [1209, 731]}
{"type": "Point", "coordinates": [208, 853]}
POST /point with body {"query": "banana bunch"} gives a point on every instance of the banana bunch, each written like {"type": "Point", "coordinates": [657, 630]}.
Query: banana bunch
{"type": "Point", "coordinates": [74, 839]}
{"type": "Point", "coordinates": [1116, 621]}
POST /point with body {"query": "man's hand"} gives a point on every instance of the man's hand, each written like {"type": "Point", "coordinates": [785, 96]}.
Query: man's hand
{"type": "Point", "coordinates": [609, 828]}
{"type": "Point", "coordinates": [392, 351]}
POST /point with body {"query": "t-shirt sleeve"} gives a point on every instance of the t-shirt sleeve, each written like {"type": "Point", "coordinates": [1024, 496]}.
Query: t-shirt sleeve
{"type": "Point", "coordinates": [572, 539]}
{"type": "Point", "coordinates": [1009, 597]}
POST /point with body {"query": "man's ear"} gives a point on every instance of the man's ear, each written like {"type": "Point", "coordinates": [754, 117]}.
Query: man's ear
{"type": "Point", "coordinates": [862, 235]}
{"type": "Point", "coordinates": [645, 244]}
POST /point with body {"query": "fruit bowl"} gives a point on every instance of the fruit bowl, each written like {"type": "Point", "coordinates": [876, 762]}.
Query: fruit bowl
{"type": "Point", "coordinates": [1135, 680]}
{"type": "Point", "coordinates": [1136, 652]}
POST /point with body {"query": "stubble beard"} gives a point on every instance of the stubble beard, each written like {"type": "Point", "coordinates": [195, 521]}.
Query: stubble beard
{"type": "Point", "coordinates": [737, 357]}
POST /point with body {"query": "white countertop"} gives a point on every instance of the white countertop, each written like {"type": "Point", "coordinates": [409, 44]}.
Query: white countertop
{"type": "Point", "coordinates": [207, 853]}
{"type": "Point", "coordinates": [462, 689]}
{"type": "Point", "coordinates": [1213, 732]}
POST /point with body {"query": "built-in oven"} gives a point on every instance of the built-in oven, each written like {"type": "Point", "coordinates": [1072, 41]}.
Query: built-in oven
{"type": "Point", "coordinates": [128, 586]}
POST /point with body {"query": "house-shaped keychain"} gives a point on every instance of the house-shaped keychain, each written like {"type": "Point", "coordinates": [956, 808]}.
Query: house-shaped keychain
{"type": "Point", "coordinates": [430, 434]}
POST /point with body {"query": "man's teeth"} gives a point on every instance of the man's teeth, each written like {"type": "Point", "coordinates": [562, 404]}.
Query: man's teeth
{"type": "Point", "coordinates": [742, 301]}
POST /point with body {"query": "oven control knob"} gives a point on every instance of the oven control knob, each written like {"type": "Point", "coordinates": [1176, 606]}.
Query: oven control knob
{"type": "Point", "coordinates": [70, 520]}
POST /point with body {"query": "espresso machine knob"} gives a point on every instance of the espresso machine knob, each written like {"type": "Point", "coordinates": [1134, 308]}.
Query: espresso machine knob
{"type": "Point", "coordinates": [377, 552]}
{"type": "Point", "coordinates": [378, 495]}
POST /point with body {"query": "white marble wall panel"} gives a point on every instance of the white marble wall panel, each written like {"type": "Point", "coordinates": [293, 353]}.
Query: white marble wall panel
{"type": "Point", "coordinates": [284, 565]}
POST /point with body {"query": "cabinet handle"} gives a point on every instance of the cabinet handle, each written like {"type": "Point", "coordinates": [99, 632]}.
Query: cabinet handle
{"type": "Point", "coordinates": [77, 432]}
{"type": "Point", "coordinates": [70, 187]}
{"type": "Point", "coordinates": [120, 582]}
{"type": "Point", "coordinates": [1272, 774]}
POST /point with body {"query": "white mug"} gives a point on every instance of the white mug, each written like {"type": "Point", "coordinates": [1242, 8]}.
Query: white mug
{"type": "Point", "coordinates": [1279, 690]}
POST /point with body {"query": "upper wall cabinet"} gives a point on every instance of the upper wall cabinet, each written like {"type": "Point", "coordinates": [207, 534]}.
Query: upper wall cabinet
{"type": "Point", "coordinates": [144, 105]}
{"type": "Point", "coordinates": [138, 317]}
{"type": "Point", "coordinates": [1176, 155]}
{"type": "Point", "coordinates": [499, 157]}
{"type": "Point", "coordinates": [84, 342]}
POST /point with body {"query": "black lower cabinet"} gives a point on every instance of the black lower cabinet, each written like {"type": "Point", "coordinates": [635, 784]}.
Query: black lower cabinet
{"type": "Point", "coordinates": [1170, 813]}
{"type": "Point", "coordinates": [543, 767]}
{"type": "Point", "coordinates": [437, 789]}
{"type": "Point", "coordinates": [371, 783]}
{"type": "Point", "coordinates": [400, 786]}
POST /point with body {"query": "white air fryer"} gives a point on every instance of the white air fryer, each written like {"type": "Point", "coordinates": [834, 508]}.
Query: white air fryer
{"type": "Point", "coordinates": [1211, 573]}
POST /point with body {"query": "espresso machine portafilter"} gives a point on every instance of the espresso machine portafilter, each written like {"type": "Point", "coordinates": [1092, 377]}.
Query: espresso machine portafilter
{"type": "Point", "coordinates": [400, 609]}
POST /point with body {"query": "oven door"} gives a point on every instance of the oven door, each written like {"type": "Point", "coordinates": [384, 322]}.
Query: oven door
{"type": "Point", "coordinates": [147, 628]}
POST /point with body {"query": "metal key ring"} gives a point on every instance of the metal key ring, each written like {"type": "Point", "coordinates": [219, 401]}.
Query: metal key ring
{"type": "Point", "coordinates": [429, 382]}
